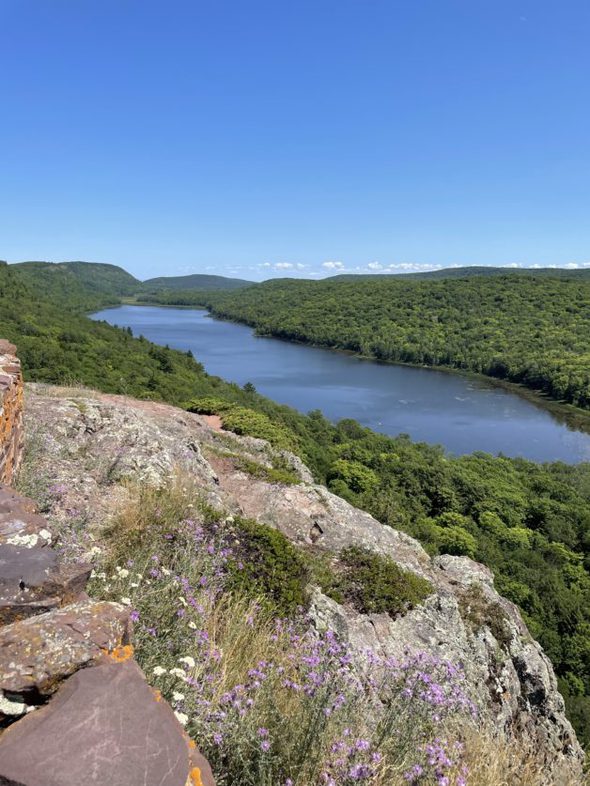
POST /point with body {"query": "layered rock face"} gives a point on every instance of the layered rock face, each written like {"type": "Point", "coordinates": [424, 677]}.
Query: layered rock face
{"type": "Point", "coordinates": [90, 446]}
{"type": "Point", "coordinates": [11, 412]}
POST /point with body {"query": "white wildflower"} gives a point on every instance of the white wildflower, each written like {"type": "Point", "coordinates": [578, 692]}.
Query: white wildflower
{"type": "Point", "coordinates": [165, 571]}
{"type": "Point", "coordinates": [134, 584]}
{"type": "Point", "coordinates": [177, 696]}
{"type": "Point", "coordinates": [190, 662]}
{"type": "Point", "coordinates": [192, 625]}
{"type": "Point", "coordinates": [158, 671]}
{"type": "Point", "coordinates": [181, 718]}
{"type": "Point", "coordinates": [123, 572]}
{"type": "Point", "coordinates": [126, 601]}
{"type": "Point", "coordinates": [182, 600]}
{"type": "Point", "coordinates": [180, 673]}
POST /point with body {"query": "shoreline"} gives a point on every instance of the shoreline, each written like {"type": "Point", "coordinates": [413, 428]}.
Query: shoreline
{"type": "Point", "coordinates": [574, 418]}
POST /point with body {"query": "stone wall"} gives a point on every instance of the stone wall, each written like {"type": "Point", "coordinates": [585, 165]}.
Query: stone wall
{"type": "Point", "coordinates": [11, 412]}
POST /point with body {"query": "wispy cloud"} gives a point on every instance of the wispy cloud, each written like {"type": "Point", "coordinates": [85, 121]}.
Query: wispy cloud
{"type": "Point", "coordinates": [264, 270]}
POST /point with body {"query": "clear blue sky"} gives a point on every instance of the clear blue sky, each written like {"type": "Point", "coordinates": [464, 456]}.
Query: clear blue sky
{"type": "Point", "coordinates": [295, 137]}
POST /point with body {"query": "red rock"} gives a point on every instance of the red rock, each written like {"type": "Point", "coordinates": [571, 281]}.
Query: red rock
{"type": "Point", "coordinates": [38, 653]}
{"type": "Point", "coordinates": [33, 580]}
{"type": "Point", "coordinates": [11, 500]}
{"type": "Point", "coordinates": [23, 528]}
{"type": "Point", "coordinates": [103, 727]}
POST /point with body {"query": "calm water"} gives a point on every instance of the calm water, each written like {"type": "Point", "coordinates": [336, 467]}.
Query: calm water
{"type": "Point", "coordinates": [430, 406]}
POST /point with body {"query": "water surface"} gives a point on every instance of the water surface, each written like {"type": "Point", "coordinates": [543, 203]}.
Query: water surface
{"type": "Point", "coordinates": [433, 406]}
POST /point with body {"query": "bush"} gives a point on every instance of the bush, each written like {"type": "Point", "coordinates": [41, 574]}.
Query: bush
{"type": "Point", "coordinates": [267, 564]}
{"type": "Point", "coordinates": [374, 584]}
{"type": "Point", "coordinates": [456, 540]}
{"type": "Point", "coordinates": [242, 420]}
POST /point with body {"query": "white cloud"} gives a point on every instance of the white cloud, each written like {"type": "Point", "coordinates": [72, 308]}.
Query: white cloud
{"type": "Point", "coordinates": [283, 266]}
{"type": "Point", "coordinates": [333, 265]}
{"type": "Point", "coordinates": [375, 266]}
{"type": "Point", "coordinates": [576, 265]}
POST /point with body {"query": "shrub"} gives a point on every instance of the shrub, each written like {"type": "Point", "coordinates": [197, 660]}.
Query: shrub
{"type": "Point", "coordinates": [456, 540]}
{"type": "Point", "coordinates": [374, 584]}
{"type": "Point", "coordinates": [267, 564]}
{"type": "Point", "coordinates": [242, 420]}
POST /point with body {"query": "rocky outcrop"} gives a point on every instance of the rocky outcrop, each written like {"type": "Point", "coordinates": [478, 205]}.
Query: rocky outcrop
{"type": "Point", "coordinates": [92, 444]}
{"type": "Point", "coordinates": [11, 412]}
{"type": "Point", "coordinates": [74, 705]}
{"type": "Point", "coordinates": [104, 726]}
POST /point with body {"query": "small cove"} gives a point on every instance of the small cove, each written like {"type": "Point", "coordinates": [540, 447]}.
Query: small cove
{"type": "Point", "coordinates": [463, 414]}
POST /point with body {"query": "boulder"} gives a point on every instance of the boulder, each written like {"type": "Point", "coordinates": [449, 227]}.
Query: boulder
{"type": "Point", "coordinates": [11, 500]}
{"type": "Point", "coordinates": [103, 727]}
{"type": "Point", "coordinates": [38, 653]}
{"type": "Point", "coordinates": [33, 580]}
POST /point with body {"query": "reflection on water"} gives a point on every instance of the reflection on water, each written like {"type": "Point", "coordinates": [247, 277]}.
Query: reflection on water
{"type": "Point", "coordinates": [430, 406]}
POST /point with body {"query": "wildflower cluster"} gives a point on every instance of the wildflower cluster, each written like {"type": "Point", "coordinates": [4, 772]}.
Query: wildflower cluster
{"type": "Point", "coordinates": [440, 764]}
{"type": "Point", "coordinates": [272, 700]}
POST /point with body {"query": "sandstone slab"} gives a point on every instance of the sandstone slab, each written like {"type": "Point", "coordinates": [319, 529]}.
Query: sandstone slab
{"type": "Point", "coordinates": [11, 500]}
{"type": "Point", "coordinates": [38, 653]}
{"type": "Point", "coordinates": [103, 727]}
{"type": "Point", "coordinates": [33, 580]}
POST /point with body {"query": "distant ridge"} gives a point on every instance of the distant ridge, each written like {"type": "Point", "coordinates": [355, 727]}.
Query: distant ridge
{"type": "Point", "coordinates": [95, 277]}
{"type": "Point", "coordinates": [104, 279]}
{"type": "Point", "coordinates": [196, 281]}
{"type": "Point", "coordinates": [469, 271]}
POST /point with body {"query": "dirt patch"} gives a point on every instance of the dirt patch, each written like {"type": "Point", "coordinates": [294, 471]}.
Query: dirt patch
{"type": "Point", "coordinates": [214, 421]}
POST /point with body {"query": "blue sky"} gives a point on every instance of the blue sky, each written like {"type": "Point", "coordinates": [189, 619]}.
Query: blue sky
{"type": "Point", "coordinates": [295, 137]}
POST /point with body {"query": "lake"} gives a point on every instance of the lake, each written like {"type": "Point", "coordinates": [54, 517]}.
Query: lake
{"type": "Point", "coordinates": [462, 414]}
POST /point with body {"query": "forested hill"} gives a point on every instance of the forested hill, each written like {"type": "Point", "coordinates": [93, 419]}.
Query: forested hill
{"type": "Point", "coordinates": [529, 329]}
{"type": "Point", "coordinates": [111, 281]}
{"type": "Point", "coordinates": [104, 281]}
{"type": "Point", "coordinates": [195, 281]}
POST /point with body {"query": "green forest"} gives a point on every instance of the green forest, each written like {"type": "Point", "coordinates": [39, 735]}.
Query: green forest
{"type": "Point", "coordinates": [529, 329]}
{"type": "Point", "coordinates": [530, 523]}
